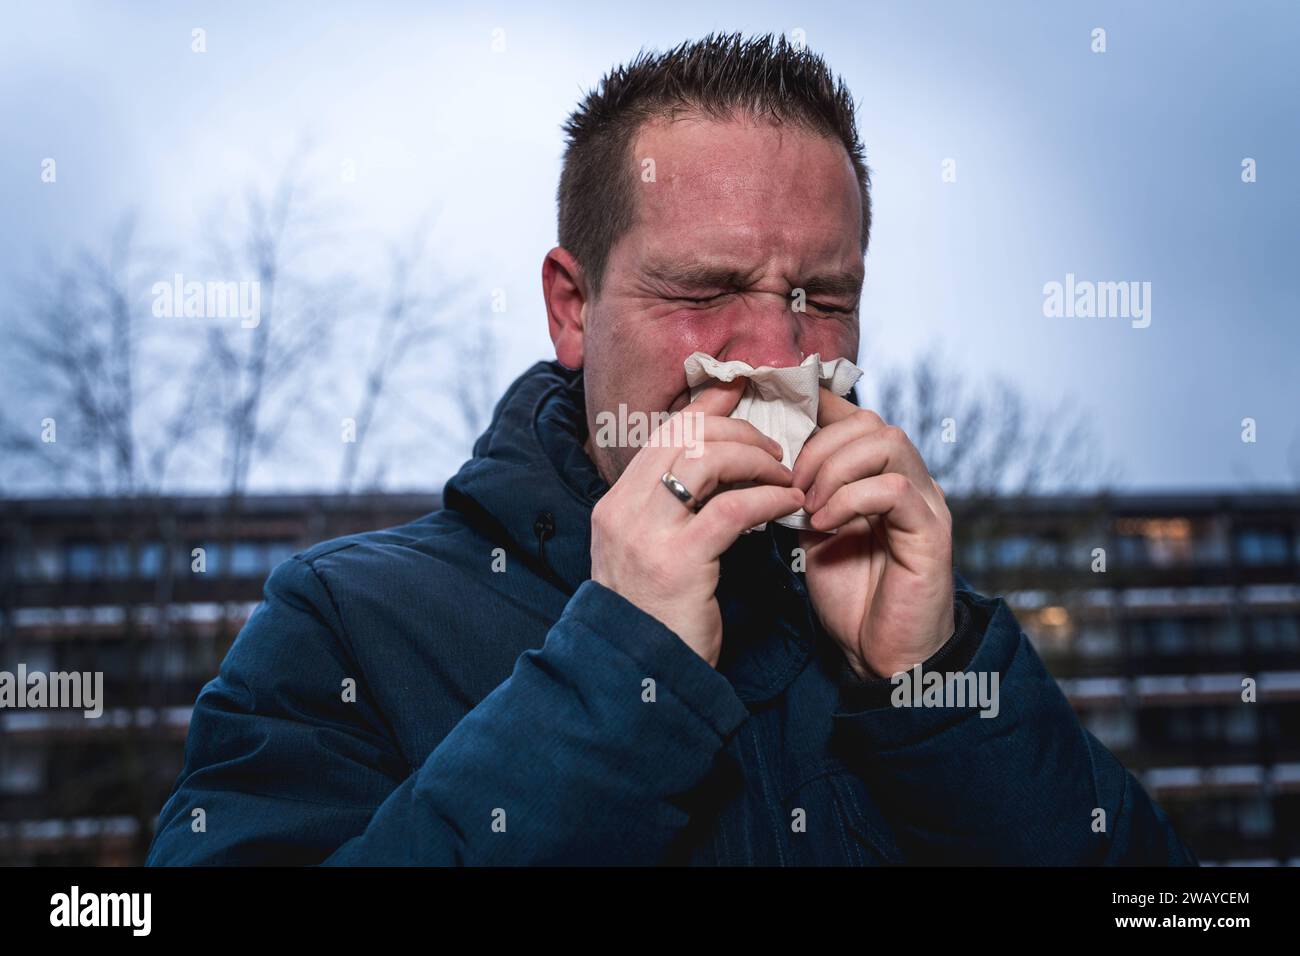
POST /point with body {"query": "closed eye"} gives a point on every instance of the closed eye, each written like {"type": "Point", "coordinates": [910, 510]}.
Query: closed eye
{"type": "Point", "coordinates": [703, 300]}
{"type": "Point", "coordinates": [819, 306]}
{"type": "Point", "coordinates": [823, 307]}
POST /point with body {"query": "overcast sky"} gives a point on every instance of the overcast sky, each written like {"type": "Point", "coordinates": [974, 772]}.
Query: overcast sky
{"type": "Point", "coordinates": [1122, 166]}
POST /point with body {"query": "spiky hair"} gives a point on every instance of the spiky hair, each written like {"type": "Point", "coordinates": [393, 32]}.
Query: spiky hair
{"type": "Point", "coordinates": [719, 77]}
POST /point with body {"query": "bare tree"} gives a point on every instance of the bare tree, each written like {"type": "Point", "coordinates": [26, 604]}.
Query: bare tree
{"type": "Point", "coordinates": [991, 439]}
{"type": "Point", "coordinates": [436, 378]}
{"type": "Point", "coordinates": [89, 367]}
{"type": "Point", "coordinates": [268, 372]}
{"type": "Point", "coordinates": [410, 317]}
{"type": "Point", "coordinates": [476, 386]}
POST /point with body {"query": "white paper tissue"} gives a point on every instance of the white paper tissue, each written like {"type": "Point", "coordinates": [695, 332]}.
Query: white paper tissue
{"type": "Point", "coordinates": [780, 402]}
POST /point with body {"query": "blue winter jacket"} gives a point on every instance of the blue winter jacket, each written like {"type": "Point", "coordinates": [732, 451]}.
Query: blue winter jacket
{"type": "Point", "coordinates": [458, 691]}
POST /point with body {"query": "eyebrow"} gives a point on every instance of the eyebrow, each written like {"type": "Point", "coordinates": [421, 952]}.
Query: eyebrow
{"type": "Point", "coordinates": [695, 276]}
{"type": "Point", "coordinates": [835, 283]}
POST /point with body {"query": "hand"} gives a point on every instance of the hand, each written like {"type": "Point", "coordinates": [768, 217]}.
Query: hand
{"type": "Point", "coordinates": [882, 586]}
{"type": "Point", "coordinates": [659, 554]}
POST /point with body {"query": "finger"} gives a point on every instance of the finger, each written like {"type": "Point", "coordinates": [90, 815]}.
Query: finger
{"type": "Point", "coordinates": [720, 463]}
{"type": "Point", "coordinates": [667, 446]}
{"type": "Point", "coordinates": [890, 496]}
{"type": "Point", "coordinates": [832, 408]}
{"type": "Point", "coordinates": [684, 428]}
{"type": "Point", "coordinates": [711, 428]}
{"type": "Point", "coordinates": [860, 423]}
{"type": "Point", "coordinates": [727, 514]}
{"type": "Point", "coordinates": [887, 449]}
{"type": "Point", "coordinates": [718, 398]}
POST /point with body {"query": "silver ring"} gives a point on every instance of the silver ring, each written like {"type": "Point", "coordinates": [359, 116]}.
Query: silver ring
{"type": "Point", "coordinates": [679, 490]}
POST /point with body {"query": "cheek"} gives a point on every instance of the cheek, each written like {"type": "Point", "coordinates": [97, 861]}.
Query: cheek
{"type": "Point", "coordinates": [643, 366]}
{"type": "Point", "coordinates": [830, 339]}
{"type": "Point", "coordinates": [681, 333]}
{"type": "Point", "coordinates": [655, 357]}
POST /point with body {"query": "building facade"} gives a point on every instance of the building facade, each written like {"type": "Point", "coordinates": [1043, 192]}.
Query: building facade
{"type": "Point", "coordinates": [1171, 621]}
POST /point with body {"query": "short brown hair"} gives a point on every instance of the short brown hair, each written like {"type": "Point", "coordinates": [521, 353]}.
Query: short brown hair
{"type": "Point", "coordinates": [717, 77]}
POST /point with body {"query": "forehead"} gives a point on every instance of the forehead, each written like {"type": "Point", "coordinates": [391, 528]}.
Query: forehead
{"type": "Point", "coordinates": [731, 188]}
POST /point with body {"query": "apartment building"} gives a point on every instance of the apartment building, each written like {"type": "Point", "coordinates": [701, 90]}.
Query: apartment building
{"type": "Point", "coordinates": [1172, 623]}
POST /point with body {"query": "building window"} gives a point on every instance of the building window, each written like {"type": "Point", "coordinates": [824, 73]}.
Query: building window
{"type": "Point", "coordinates": [22, 773]}
{"type": "Point", "coordinates": [1255, 818]}
{"type": "Point", "coordinates": [1276, 632]}
{"type": "Point", "coordinates": [1115, 728]}
{"type": "Point", "coordinates": [1023, 550]}
{"type": "Point", "coordinates": [85, 561]}
{"type": "Point", "coordinates": [151, 559]}
{"type": "Point", "coordinates": [213, 558]}
{"type": "Point", "coordinates": [40, 563]}
{"type": "Point", "coordinates": [1162, 542]}
{"type": "Point", "coordinates": [1263, 545]}
{"type": "Point", "coordinates": [117, 560]}
{"type": "Point", "coordinates": [247, 559]}
{"type": "Point", "coordinates": [279, 551]}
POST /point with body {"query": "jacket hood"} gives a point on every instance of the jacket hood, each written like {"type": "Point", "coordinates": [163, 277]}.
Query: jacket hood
{"type": "Point", "coordinates": [530, 483]}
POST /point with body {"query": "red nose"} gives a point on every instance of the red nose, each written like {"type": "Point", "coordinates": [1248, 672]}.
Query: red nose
{"type": "Point", "coordinates": [767, 335]}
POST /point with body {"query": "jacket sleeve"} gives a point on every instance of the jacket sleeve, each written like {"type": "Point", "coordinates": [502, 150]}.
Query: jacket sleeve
{"type": "Point", "coordinates": [574, 758]}
{"type": "Point", "coordinates": [1028, 784]}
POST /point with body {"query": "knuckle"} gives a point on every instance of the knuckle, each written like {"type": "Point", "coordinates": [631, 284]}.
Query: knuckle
{"type": "Point", "coordinates": [895, 435]}
{"type": "Point", "coordinates": [831, 473]}
{"type": "Point", "coordinates": [896, 484]}
{"type": "Point", "coordinates": [869, 419]}
{"type": "Point", "coordinates": [727, 509]}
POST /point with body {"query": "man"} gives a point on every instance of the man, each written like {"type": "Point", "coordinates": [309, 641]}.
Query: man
{"type": "Point", "coordinates": [583, 657]}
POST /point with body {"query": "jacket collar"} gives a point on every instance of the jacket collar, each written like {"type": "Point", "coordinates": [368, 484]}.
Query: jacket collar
{"type": "Point", "coordinates": [531, 483]}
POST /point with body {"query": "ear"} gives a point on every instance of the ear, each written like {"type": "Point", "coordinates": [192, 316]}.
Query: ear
{"type": "Point", "coordinates": [565, 289]}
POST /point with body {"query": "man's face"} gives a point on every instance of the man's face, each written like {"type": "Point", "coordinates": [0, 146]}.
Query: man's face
{"type": "Point", "coordinates": [740, 215]}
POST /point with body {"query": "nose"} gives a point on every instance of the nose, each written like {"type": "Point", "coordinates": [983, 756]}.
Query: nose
{"type": "Point", "coordinates": [766, 333]}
